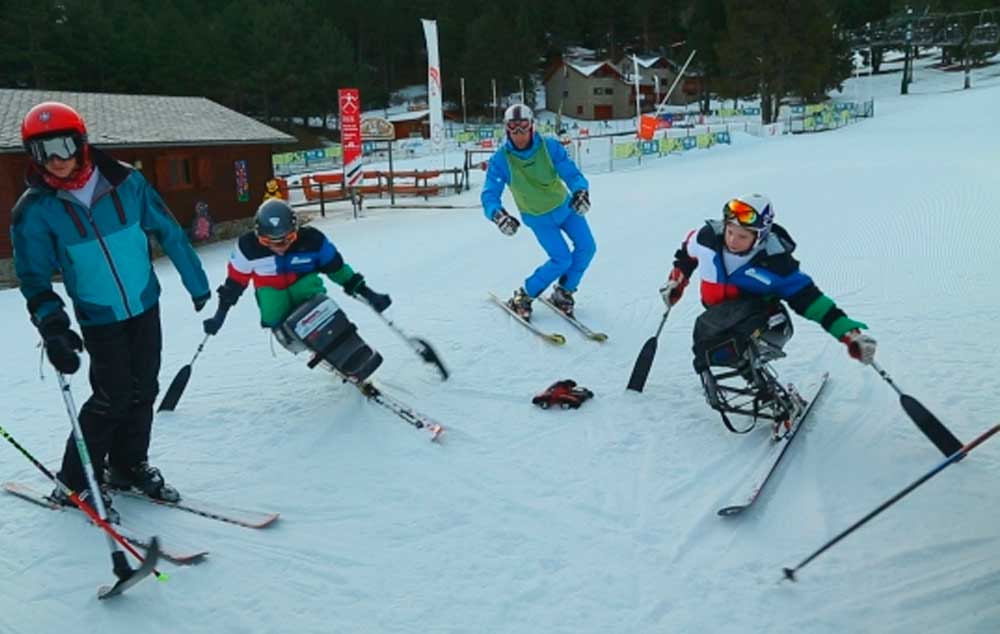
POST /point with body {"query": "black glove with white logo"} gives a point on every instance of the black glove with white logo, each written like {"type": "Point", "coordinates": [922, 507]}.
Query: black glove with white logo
{"type": "Point", "coordinates": [507, 223]}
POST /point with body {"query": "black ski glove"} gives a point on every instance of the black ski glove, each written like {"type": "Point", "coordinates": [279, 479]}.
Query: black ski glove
{"type": "Point", "coordinates": [377, 301]}
{"type": "Point", "coordinates": [229, 292]}
{"type": "Point", "coordinates": [199, 302]}
{"type": "Point", "coordinates": [580, 202]}
{"type": "Point", "coordinates": [213, 324]}
{"type": "Point", "coordinates": [62, 345]}
{"type": "Point", "coordinates": [507, 223]}
{"type": "Point", "coordinates": [356, 286]}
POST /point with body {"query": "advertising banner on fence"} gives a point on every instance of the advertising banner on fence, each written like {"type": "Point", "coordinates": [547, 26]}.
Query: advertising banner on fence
{"type": "Point", "coordinates": [350, 133]}
{"type": "Point", "coordinates": [434, 85]}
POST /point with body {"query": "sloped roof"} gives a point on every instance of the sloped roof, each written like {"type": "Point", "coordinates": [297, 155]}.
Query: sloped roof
{"type": "Point", "coordinates": [585, 68]}
{"type": "Point", "coordinates": [646, 62]}
{"type": "Point", "coordinates": [412, 115]}
{"type": "Point", "coordinates": [588, 69]}
{"type": "Point", "coordinates": [140, 120]}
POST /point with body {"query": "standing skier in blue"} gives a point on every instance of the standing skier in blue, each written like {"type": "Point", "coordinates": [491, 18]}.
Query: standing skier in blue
{"type": "Point", "coordinates": [552, 196]}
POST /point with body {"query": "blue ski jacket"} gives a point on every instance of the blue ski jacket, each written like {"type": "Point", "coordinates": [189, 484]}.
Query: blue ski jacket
{"type": "Point", "coordinates": [498, 172]}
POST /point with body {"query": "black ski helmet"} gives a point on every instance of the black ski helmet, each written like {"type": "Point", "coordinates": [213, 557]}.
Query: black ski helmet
{"type": "Point", "coordinates": [275, 220]}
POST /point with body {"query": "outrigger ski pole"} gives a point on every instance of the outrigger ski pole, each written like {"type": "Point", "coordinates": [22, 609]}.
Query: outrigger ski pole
{"type": "Point", "coordinates": [180, 382]}
{"type": "Point", "coordinates": [928, 423]}
{"type": "Point", "coordinates": [418, 345]}
{"type": "Point", "coordinates": [637, 380]}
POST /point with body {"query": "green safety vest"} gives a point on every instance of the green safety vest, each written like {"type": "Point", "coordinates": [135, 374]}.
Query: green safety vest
{"type": "Point", "coordinates": [534, 182]}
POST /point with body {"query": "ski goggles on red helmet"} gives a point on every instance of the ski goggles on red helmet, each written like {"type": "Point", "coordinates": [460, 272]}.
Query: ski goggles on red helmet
{"type": "Point", "coordinates": [741, 212]}
{"type": "Point", "coordinates": [518, 126]}
{"type": "Point", "coordinates": [283, 241]}
{"type": "Point", "coordinates": [63, 147]}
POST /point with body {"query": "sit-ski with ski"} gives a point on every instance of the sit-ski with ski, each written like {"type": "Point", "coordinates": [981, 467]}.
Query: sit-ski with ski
{"type": "Point", "coordinates": [284, 261]}
{"type": "Point", "coordinates": [747, 275]}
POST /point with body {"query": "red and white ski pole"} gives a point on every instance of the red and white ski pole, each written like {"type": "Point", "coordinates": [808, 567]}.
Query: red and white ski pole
{"type": "Point", "coordinates": [83, 505]}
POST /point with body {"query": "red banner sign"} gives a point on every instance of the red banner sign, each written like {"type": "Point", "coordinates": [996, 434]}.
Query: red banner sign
{"type": "Point", "coordinates": [350, 134]}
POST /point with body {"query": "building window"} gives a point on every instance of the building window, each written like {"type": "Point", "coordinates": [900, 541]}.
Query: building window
{"type": "Point", "coordinates": [174, 172]}
{"type": "Point", "coordinates": [180, 173]}
{"type": "Point", "coordinates": [600, 90]}
{"type": "Point", "coordinates": [565, 94]}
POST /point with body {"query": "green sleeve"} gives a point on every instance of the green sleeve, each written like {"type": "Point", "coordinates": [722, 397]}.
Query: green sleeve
{"type": "Point", "coordinates": [825, 312]}
{"type": "Point", "coordinates": [341, 275]}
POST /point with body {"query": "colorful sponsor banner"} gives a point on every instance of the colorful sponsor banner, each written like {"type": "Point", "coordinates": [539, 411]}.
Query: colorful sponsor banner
{"type": "Point", "coordinates": [668, 145]}
{"type": "Point", "coordinates": [625, 150]}
{"type": "Point", "coordinates": [305, 157]}
{"type": "Point", "coordinates": [434, 85]}
{"type": "Point", "coordinates": [350, 134]}
{"type": "Point", "coordinates": [649, 147]}
{"type": "Point", "coordinates": [242, 182]}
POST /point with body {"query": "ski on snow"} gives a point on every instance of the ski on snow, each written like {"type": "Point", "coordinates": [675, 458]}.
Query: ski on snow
{"type": "Point", "coordinates": [579, 325]}
{"type": "Point", "coordinates": [34, 496]}
{"type": "Point", "coordinates": [776, 452]}
{"type": "Point", "coordinates": [397, 407]}
{"type": "Point", "coordinates": [551, 337]}
{"type": "Point", "coordinates": [231, 515]}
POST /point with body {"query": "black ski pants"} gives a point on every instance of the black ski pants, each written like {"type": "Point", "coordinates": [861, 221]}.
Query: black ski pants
{"type": "Point", "coordinates": [117, 418]}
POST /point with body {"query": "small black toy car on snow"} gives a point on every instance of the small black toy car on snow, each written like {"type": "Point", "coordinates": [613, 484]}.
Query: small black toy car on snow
{"type": "Point", "coordinates": [566, 394]}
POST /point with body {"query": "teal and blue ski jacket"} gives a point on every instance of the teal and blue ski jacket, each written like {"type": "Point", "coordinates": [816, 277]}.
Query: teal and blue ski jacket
{"type": "Point", "coordinates": [103, 252]}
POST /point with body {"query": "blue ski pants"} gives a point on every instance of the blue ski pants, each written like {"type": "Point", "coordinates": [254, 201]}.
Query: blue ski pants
{"type": "Point", "coordinates": [564, 264]}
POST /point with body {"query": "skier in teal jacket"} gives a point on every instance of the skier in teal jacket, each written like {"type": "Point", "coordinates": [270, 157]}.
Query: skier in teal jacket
{"type": "Point", "coordinates": [88, 217]}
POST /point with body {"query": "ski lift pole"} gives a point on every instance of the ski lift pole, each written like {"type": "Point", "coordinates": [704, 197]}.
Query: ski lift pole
{"type": "Point", "coordinates": [663, 102]}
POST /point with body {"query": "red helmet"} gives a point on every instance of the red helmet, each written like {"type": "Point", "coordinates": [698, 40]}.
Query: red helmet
{"type": "Point", "coordinates": [52, 119]}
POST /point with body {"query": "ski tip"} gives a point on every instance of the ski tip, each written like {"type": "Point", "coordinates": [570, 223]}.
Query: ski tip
{"type": "Point", "coordinates": [556, 339]}
{"type": "Point", "coordinates": [730, 511]}
{"type": "Point", "coordinates": [599, 337]}
{"type": "Point", "coordinates": [162, 577]}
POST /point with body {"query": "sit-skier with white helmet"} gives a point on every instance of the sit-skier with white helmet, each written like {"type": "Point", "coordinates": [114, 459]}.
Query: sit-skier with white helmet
{"type": "Point", "coordinates": [747, 269]}
{"type": "Point", "coordinates": [552, 197]}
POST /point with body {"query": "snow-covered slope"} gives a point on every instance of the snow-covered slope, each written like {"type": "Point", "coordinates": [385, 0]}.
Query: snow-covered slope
{"type": "Point", "coordinates": [596, 520]}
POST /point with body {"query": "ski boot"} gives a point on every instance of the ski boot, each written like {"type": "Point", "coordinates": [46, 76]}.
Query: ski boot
{"type": "Point", "coordinates": [145, 479]}
{"type": "Point", "coordinates": [110, 513]}
{"type": "Point", "coordinates": [562, 299]}
{"type": "Point", "coordinates": [520, 303]}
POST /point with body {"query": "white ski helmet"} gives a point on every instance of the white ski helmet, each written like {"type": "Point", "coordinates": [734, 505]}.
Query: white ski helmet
{"type": "Point", "coordinates": [518, 114]}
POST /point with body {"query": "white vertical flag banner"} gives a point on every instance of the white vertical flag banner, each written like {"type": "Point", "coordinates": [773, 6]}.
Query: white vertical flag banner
{"type": "Point", "coordinates": [434, 85]}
